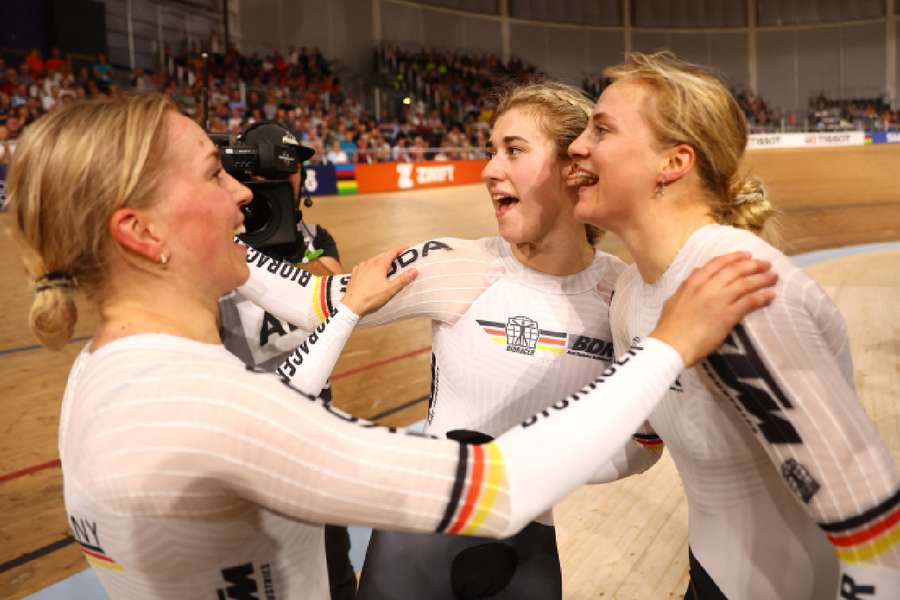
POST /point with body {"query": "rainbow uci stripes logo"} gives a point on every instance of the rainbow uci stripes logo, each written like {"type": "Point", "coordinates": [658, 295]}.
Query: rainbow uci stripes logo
{"type": "Point", "coordinates": [522, 335]}
{"type": "Point", "coordinates": [346, 179]}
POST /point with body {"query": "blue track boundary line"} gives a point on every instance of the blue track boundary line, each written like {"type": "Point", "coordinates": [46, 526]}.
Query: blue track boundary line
{"type": "Point", "coordinates": [74, 340]}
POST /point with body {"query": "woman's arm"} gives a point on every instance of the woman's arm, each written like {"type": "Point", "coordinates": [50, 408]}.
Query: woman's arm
{"type": "Point", "coordinates": [451, 274]}
{"type": "Point", "coordinates": [213, 431]}
{"type": "Point", "coordinates": [638, 454]}
{"type": "Point", "coordinates": [290, 293]}
{"type": "Point", "coordinates": [781, 370]}
{"type": "Point", "coordinates": [565, 442]}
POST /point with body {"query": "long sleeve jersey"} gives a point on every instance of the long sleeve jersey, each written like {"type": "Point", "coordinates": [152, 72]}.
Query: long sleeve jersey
{"type": "Point", "coordinates": [782, 468]}
{"type": "Point", "coordinates": [188, 475]}
{"type": "Point", "coordinates": [505, 338]}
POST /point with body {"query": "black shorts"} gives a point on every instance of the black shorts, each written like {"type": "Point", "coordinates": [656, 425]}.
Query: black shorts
{"type": "Point", "coordinates": [701, 586]}
{"type": "Point", "coordinates": [401, 566]}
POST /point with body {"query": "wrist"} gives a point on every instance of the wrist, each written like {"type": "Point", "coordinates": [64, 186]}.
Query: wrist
{"type": "Point", "coordinates": [675, 342]}
{"type": "Point", "coordinates": [344, 309]}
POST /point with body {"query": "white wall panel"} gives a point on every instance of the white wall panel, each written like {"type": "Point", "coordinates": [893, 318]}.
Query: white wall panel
{"type": "Point", "coordinates": [692, 47]}
{"type": "Point", "coordinates": [728, 56]}
{"type": "Point", "coordinates": [567, 56]}
{"type": "Point", "coordinates": [482, 36]}
{"type": "Point", "coordinates": [689, 13]}
{"type": "Point", "coordinates": [581, 12]}
{"type": "Point", "coordinates": [800, 12]}
{"type": "Point", "coordinates": [528, 42]}
{"type": "Point", "coordinates": [351, 21]}
{"type": "Point", "coordinates": [775, 51]}
{"type": "Point", "coordinates": [864, 60]}
{"type": "Point", "coordinates": [819, 62]}
{"type": "Point", "coordinates": [259, 20]}
{"type": "Point", "coordinates": [400, 23]}
{"type": "Point", "coordinates": [479, 6]}
{"type": "Point", "coordinates": [605, 48]}
{"type": "Point", "coordinates": [792, 64]}
{"type": "Point", "coordinates": [897, 32]}
{"type": "Point", "coordinates": [649, 41]}
{"type": "Point", "coordinates": [442, 30]}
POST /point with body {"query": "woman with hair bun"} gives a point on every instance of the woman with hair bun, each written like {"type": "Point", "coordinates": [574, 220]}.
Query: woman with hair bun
{"type": "Point", "coordinates": [792, 494]}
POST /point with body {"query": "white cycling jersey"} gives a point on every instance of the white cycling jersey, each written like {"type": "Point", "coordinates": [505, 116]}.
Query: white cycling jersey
{"type": "Point", "coordinates": [782, 468]}
{"type": "Point", "coordinates": [188, 475]}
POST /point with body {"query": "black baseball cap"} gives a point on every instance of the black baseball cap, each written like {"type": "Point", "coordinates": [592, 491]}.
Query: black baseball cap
{"type": "Point", "coordinates": [270, 132]}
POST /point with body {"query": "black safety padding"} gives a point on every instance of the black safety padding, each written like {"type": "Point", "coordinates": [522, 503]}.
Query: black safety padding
{"type": "Point", "coordinates": [467, 436]}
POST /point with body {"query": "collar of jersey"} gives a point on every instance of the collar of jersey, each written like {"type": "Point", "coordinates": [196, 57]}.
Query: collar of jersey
{"type": "Point", "coordinates": [553, 284]}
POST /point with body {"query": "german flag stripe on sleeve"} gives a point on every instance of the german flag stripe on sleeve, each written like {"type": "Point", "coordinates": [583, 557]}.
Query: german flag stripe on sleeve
{"type": "Point", "coordinates": [867, 535]}
{"type": "Point", "coordinates": [475, 479]}
{"type": "Point", "coordinates": [329, 307]}
{"type": "Point", "coordinates": [492, 481]}
{"type": "Point", "coordinates": [318, 298]}
{"type": "Point", "coordinates": [479, 477]}
{"type": "Point", "coordinates": [96, 557]}
{"type": "Point", "coordinates": [456, 491]}
{"type": "Point", "coordinates": [647, 439]}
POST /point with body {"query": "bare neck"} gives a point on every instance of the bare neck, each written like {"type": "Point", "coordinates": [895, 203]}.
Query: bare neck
{"type": "Point", "coordinates": [156, 306]}
{"type": "Point", "coordinates": [561, 254]}
{"type": "Point", "coordinates": [655, 237]}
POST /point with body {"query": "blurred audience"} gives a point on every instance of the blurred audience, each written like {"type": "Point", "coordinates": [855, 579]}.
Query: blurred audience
{"type": "Point", "coordinates": [434, 104]}
{"type": "Point", "coordinates": [870, 114]}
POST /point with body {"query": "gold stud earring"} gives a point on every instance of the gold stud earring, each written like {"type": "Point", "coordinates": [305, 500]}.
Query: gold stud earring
{"type": "Point", "coordinates": [660, 190]}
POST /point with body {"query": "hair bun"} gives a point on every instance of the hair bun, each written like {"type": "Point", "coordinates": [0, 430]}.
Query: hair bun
{"type": "Point", "coordinates": [750, 190]}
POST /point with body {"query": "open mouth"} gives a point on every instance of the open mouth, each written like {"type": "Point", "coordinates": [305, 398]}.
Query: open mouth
{"type": "Point", "coordinates": [503, 204]}
{"type": "Point", "coordinates": [578, 177]}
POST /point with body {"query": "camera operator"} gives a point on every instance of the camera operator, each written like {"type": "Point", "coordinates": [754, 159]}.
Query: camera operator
{"type": "Point", "coordinates": [314, 249]}
{"type": "Point", "coordinates": [261, 340]}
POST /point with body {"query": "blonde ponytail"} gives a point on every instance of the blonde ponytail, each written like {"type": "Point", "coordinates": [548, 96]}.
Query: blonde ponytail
{"type": "Point", "coordinates": [63, 188]}
{"type": "Point", "coordinates": [746, 205]}
{"type": "Point", "coordinates": [53, 315]}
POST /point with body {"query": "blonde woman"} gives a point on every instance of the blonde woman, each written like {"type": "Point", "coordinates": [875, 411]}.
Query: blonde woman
{"type": "Point", "coordinates": [187, 475]}
{"type": "Point", "coordinates": [782, 468]}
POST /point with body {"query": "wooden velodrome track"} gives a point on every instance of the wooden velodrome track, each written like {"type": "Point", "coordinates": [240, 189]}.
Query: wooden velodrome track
{"type": "Point", "coordinates": [624, 540]}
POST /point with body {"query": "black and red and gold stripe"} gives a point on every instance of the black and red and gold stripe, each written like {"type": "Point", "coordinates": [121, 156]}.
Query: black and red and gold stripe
{"type": "Point", "coordinates": [479, 475]}
{"type": "Point", "coordinates": [648, 440]}
{"type": "Point", "coordinates": [868, 534]}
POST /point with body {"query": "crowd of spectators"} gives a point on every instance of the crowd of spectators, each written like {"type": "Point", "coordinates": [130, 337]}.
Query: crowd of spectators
{"type": "Point", "coordinates": [870, 114]}
{"type": "Point", "coordinates": [445, 99]}
{"type": "Point", "coordinates": [759, 115]}
{"type": "Point", "coordinates": [434, 104]}
{"type": "Point", "coordinates": [38, 85]}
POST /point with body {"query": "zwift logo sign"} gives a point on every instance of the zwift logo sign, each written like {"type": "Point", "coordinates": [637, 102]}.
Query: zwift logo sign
{"type": "Point", "coordinates": [410, 175]}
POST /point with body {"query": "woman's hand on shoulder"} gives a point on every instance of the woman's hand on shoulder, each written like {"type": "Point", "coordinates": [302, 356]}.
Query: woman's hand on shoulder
{"type": "Point", "coordinates": [709, 303]}
{"type": "Point", "coordinates": [369, 288]}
